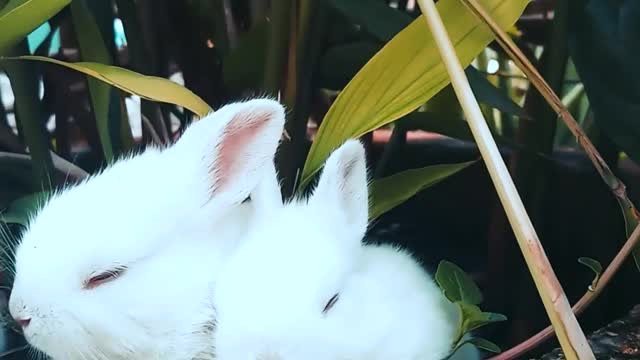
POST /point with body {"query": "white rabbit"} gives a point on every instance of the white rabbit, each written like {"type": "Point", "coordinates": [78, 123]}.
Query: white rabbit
{"type": "Point", "coordinates": [303, 286]}
{"type": "Point", "coordinates": [122, 265]}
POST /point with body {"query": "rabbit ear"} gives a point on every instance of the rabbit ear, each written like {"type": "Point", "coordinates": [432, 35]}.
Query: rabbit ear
{"type": "Point", "coordinates": [267, 194]}
{"type": "Point", "coordinates": [342, 188]}
{"type": "Point", "coordinates": [238, 143]}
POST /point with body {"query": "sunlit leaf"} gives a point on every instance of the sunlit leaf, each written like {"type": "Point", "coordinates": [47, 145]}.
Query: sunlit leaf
{"type": "Point", "coordinates": [473, 317]}
{"type": "Point", "coordinates": [404, 75]}
{"type": "Point", "coordinates": [147, 87]}
{"type": "Point", "coordinates": [456, 284]}
{"type": "Point", "coordinates": [391, 191]}
{"type": "Point", "coordinates": [18, 18]}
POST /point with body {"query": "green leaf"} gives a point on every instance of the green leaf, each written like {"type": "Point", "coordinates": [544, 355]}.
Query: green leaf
{"type": "Point", "coordinates": [488, 94]}
{"type": "Point", "coordinates": [406, 73]}
{"type": "Point", "coordinates": [473, 317]}
{"type": "Point", "coordinates": [595, 266]}
{"type": "Point", "coordinates": [92, 48]}
{"type": "Point", "coordinates": [339, 64]}
{"type": "Point", "coordinates": [456, 284]}
{"type": "Point", "coordinates": [384, 22]}
{"type": "Point", "coordinates": [376, 17]}
{"type": "Point", "coordinates": [605, 35]}
{"type": "Point", "coordinates": [391, 191]}
{"type": "Point", "coordinates": [18, 18]}
{"type": "Point", "coordinates": [147, 87]}
{"type": "Point", "coordinates": [243, 67]}
{"type": "Point", "coordinates": [21, 209]}
{"type": "Point", "coordinates": [485, 344]}
{"type": "Point", "coordinates": [30, 116]}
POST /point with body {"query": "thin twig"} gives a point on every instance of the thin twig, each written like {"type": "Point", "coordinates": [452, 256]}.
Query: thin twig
{"type": "Point", "coordinates": [572, 339]}
{"type": "Point", "coordinates": [586, 299]}
{"type": "Point", "coordinates": [616, 186]}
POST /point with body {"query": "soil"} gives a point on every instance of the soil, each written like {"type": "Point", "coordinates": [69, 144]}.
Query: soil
{"type": "Point", "coordinates": [619, 340]}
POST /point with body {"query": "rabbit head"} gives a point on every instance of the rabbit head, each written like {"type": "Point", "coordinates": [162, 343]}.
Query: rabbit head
{"type": "Point", "coordinates": [277, 292]}
{"type": "Point", "coordinates": [121, 265]}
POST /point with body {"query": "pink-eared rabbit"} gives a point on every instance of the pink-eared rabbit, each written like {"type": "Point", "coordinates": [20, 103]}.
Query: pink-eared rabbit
{"type": "Point", "coordinates": [122, 265]}
{"type": "Point", "coordinates": [304, 286]}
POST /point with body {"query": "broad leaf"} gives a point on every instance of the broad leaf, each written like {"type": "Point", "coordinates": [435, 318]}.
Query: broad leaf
{"type": "Point", "coordinates": [406, 73]}
{"type": "Point", "coordinates": [92, 48]}
{"type": "Point", "coordinates": [19, 17]}
{"type": "Point", "coordinates": [377, 18]}
{"type": "Point", "coordinates": [391, 191]}
{"type": "Point", "coordinates": [21, 209]}
{"type": "Point", "coordinates": [147, 87]}
{"type": "Point", "coordinates": [384, 22]}
{"type": "Point", "coordinates": [492, 96]}
{"type": "Point", "coordinates": [456, 284]}
{"type": "Point", "coordinates": [30, 116]}
{"type": "Point", "coordinates": [340, 64]}
{"type": "Point", "coordinates": [605, 35]}
{"type": "Point", "coordinates": [473, 317]}
{"type": "Point", "coordinates": [243, 67]}
{"type": "Point", "coordinates": [480, 343]}
{"type": "Point", "coordinates": [485, 344]}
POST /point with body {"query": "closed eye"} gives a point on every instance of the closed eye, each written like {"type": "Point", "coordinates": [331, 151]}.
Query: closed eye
{"type": "Point", "coordinates": [104, 277]}
{"type": "Point", "coordinates": [330, 303]}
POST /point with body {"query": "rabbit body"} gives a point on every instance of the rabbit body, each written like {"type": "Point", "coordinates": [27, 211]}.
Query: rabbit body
{"type": "Point", "coordinates": [303, 285]}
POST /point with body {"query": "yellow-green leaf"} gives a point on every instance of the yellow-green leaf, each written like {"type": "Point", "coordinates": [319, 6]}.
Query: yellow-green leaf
{"type": "Point", "coordinates": [393, 190]}
{"type": "Point", "coordinates": [19, 17]}
{"type": "Point", "coordinates": [404, 74]}
{"type": "Point", "coordinates": [147, 87]}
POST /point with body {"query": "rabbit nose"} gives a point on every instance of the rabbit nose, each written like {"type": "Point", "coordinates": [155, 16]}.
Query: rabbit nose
{"type": "Point", "coordinates": [23, 322]}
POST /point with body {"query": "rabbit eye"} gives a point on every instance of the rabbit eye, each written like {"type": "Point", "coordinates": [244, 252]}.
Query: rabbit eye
{"type": "Point", "coordinates": [103, 277]}
{"type": "Point", "coordinates": [330, 303]}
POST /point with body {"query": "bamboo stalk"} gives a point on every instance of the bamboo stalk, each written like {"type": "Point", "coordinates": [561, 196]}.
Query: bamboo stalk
{"type": "Point", "coordinates": [572, 339]}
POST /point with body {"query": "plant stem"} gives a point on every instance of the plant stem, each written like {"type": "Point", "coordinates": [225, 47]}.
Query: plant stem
{"type": "Point", "coordinates": [570, 335]}
{"type": "Point", "coordinates": [616, 186]}
{"type": "Point", "coordinates": [586, 299]}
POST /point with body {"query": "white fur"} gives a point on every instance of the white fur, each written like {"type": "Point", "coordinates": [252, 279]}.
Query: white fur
{"type": "Point", "coordinates": [172, 216]}
{"type": "Point", "coordinates": [270, 297]}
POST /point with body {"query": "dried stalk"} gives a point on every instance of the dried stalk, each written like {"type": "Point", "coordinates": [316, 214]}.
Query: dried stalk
{"type": "Point", "coordinates": [616, 186]}
{"type": "Point", "coordinates": [591, 294]}
{"type": "Point", "coordinates": [570, 335]}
